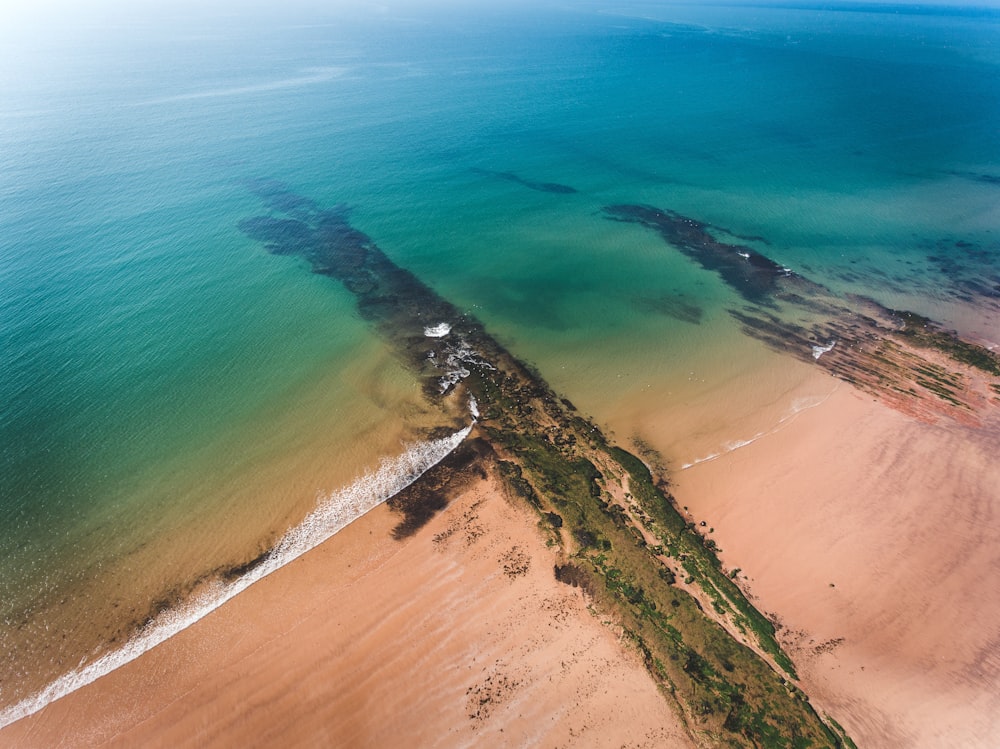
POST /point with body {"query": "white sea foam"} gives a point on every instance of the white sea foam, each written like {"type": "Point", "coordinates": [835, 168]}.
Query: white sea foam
{"type": "Point", "coordinates": [332, 513]}
{"type": "Point", "coordinates": [459, 355]}
{"type": "Point", "coordinates": [729, 447]}
{"type": "Point", "coordinates": [307, 77]}
{"type": "Point", "coordinates": [453, 377]}
{"type": "Point", "coordinates": [818, 351]}
{"type": "Point", "coordinates": [438, 331]}
{"type": "Point", "coordinates": [696, 461]}
{"type": "Point", "coordinates": [799, 405]}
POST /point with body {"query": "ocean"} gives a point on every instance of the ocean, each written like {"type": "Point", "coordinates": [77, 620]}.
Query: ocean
{"type": "Point", "coordinates": [175, 401]}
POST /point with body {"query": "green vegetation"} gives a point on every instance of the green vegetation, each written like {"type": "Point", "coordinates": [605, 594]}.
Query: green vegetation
{"type": "Point", "coordinates": [728, 694]}
{"type": "Point", "coordinates": [848, 743]}
{"type": "Point", "coordinates": [923, 332]}
{"type": "Point", "coordinates": [699, 560]}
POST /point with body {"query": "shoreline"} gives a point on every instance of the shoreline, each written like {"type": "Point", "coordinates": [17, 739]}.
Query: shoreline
{"type": "Point", "coordinates": [862, 531]}
{"type": "Point", "coordinates": [611, 527]}
{"type": "Point", "coordinates": [331, 515]}
{"type": "Point", "coordinates": [455, 635]}
{"type": "Point", "coordinates": [863, 647]}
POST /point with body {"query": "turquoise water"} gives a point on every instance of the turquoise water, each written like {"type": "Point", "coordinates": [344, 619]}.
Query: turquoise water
{"type": "Point", "coordinates": [172, 398]}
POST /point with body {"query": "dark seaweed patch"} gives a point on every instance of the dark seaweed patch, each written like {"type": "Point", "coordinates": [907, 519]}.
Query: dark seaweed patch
{"type": "Point", "coordinates": [925, 333]}
{"type": "Point", "coordinates": [239, 570]}
{"type": "Point", "coordinates": [570, 574]}
{"type": "Point", "coordinates": [675, 306]}
{"type": "Point", "coordinates": [550, 187]}
{"type": "Point", "coordinates": [280, 236]}
{"type": "Point", "coordinates": [750, 273]}
{"type": "Point", "coordinates": [968, 267]}
{"type": "Point", "coordinates": [431, 493]}
{"type": "Point", "coordinates": [984, 178]}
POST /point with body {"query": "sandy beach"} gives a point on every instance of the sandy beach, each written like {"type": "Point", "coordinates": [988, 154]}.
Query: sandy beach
{"type": "Point", "coordinates": [457, 636]}
{"type": "Point", "coordinates": [868, 536]}
{"type": "Point", "coordinates": [873, 538]}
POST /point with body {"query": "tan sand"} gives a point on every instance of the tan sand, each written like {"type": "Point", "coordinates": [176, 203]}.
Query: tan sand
{"type": "Point", "coordinates": [875, 539]}
{"type": "Point", "coordinates": [458, 636]}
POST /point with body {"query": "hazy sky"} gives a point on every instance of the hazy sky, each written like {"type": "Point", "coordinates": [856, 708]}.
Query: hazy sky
{"type": "Point", "coordinates": [20, 15]}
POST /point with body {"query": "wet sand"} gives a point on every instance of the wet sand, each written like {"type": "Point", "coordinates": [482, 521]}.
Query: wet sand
{"type": "Point", "coordinates": [874, 539]}
{"type": "Point", "coordinates": [871, 537]}
{"type": "Point", "coordinates": [457, 636]}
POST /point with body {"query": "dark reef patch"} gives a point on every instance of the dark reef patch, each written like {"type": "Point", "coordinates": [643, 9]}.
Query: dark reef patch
{"type": "Point", "coordinates": [971, 269]}
{"type": "Point", "coordinates": [983, 177]}
{"type": "Point", "coordinates": [280, 236]}
{"type": "Point", "coordinates": [392, 298]}
{"type": "Point", "coordinates": [550, 187]}
{"type": "Point", "coordinates": [905, 359]}
{"type": "Point", "coordinates": [677, 306]}
{"type": "Point", "coordinates": [744, 269]}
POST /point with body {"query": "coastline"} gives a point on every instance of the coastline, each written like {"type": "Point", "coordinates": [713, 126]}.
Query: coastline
{"type": "Point", "coordinates": [739, 376]}
{"type": "Point", "coordinates": [331, 514]}
{"type": "Point", "coordinates": [867, 535]}
{"type": "Point", "coordinates": [456, 635]}
{"type": "Point", "coordinates": [365, 636]}
{"type": "Point", "coordinates": [610, 528]}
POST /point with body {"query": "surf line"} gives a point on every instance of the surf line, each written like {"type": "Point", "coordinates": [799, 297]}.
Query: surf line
{"type": "Point", "coordinates": [333, 513]}
{"type": "Point", "coordinates": [797, 408]}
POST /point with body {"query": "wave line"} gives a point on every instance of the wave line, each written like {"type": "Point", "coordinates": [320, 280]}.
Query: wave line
{"type": "Point", "coordinates": [333, 513]}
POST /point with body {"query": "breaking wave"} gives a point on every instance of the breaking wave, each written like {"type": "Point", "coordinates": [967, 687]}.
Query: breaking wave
{"type": "Point", "coordinates": [333, 513]}
{"type": "Point", "coordinates": [437, 331]}
{"type": "Point", "coordinates": [459, 355]}
{"type": "Point", "coordinates": [798, 406]}
{"type": "Point", "coordinates": [818, 351]}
